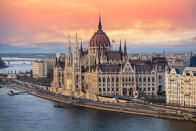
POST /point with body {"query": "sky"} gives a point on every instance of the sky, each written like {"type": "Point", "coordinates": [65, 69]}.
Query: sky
{"type": "Point", "coordinates": [140, 22]}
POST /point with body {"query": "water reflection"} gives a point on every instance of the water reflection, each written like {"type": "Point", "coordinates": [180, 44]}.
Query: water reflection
{"type": "Point", "coordinates": [29, 113]}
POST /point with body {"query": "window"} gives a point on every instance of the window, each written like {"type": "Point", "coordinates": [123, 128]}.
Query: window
{"type": "Point", "coordinates": [76, 77]}
{"type": "Point", "coordinates": [144, 79]}
{"type": "Point", "coordinates": [99, 79]}
{"type": "Point", "coordinates": [160, 77]}
{"type": "Point", "coordinates": [153, 79]}
{"type": "Point", "coordinates": [112, 79]}
{"type": "Point", "coordinates": [116, 79]}
{"type": "Point", "coordinates": [108, 80]}
{"type": "Point", "coordinates": [132, 79]}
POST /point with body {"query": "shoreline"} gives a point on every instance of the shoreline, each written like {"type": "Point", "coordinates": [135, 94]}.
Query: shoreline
{"type": "Point", "coordinates": [107, 107]}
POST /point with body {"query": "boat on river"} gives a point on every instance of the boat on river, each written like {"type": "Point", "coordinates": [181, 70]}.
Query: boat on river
{"type": "Point", "coordinates": [58, 105]}
{"type": "Point", "coordinates": [11, 93]}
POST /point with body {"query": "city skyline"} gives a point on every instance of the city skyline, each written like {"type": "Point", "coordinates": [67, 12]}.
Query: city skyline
{"type": "Point", "coordinates": [35, 23]}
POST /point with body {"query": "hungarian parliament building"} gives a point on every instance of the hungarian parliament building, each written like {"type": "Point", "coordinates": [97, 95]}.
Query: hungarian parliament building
{"type": "Point", "coordinates": [101, 71]}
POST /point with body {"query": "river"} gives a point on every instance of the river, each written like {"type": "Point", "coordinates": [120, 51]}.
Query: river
{"type": "Point", "coordinates": [25, 112]}
{"type": "Point", "coordinates": [17, 66]}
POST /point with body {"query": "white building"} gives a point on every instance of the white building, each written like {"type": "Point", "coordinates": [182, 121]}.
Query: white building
{"type": "Point", "coordinates": [181, 86]}
{"type": "Point", "coordinates": [41, 68]}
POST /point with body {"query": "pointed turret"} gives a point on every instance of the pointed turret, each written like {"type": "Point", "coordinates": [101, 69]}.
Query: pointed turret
{"type": "Point", "coordinates": [99, 26]}
{"type": "Point", "coordinates": [68, 58]}
{"type": "Point", "coordinates": [120, 47]}
{"type": "Point", "coordinates": [76, 54]}
{"type": "Point", "coordinates": [81, 49]}
{"type": "Point", "coordinates": [125, 49]}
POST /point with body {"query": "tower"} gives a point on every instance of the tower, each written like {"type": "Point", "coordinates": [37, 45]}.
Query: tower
{"type": "Point", "coordinates": [76, 59]}
{"type": "Point", "coordinates": [125, 51]}
{"type": "Point", "coordinates": [76, 68]}
{"type": "Point", "coordinates": [68, 73]}
{"type": "Point", "coordinates": [68, 59]}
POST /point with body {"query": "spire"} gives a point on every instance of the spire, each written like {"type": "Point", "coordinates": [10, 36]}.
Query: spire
{"type": "Point", "coordinates": [76, 54]}
{"type": "Point", "coordinates": [56, 62]}
{"type": "Point", "coordinates": [68, 54]}
{"type": "Point", "coordinates": [81, 49]}
{"type": "Point", "coordinates": [99, 26]}
{"type": "Point", "coordinates": [125, 49]}
{"type": "Point", "coordinates": [69, 42]}
{"type": "Point", "coordinates": [120, 46]}
{"type": "Point", "coordinates": [76, 44]}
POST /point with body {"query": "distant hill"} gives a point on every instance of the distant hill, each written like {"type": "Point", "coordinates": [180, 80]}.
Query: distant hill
{"type": "Point", "coordinates": [53, 47]}
{"type": "Point", "coordinates": [4, 48]}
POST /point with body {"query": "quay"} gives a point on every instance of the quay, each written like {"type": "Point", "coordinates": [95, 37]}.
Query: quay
{"type": "Point", "coordinates": [168, 112]}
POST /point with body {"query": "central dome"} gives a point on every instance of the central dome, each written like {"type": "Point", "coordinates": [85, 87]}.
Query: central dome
{"type": "Point", "coordinates": [100, 38]}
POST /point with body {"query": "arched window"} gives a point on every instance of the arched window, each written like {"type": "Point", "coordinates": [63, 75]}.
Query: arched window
{"type": "Point", "coordinates": [153, 79]}
{"type": "Point", "coordinates": [103, 79]}
{"type": "Point", "coordinates": [148, 79]}
{"type": "Point", "coordinates": [112, 79]}
{"type": "Point", "coordinates": [132, 79]}
{"type": "Point", "coordinates": [126, 79]}
{"type": "Point", "coordinates": [140, 79]}
{"type": "Point", "coordinates": [129, 79]}
{"type": "Point", "coordinates": [108, 80]}
{"type": "Point", "coordinates": [116, 79]}
{"type": "Point", "coordinates": [124, 92]}
{"type": "Point", "coordinates": [144, 79]}
{"type": "Point", "coordinates": [99, 79]}
{"type": "Point", "coordinates": [76, 77]}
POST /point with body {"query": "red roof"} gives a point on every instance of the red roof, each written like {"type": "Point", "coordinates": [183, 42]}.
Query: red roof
{"type": "Point", "coordinates": [100, 38]}
{"type": "Point", "coordinates": [110, 68]}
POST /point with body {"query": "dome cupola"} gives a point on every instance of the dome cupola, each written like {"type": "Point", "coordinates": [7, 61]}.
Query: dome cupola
{"type": "Point", "coordinates": [99, 38]}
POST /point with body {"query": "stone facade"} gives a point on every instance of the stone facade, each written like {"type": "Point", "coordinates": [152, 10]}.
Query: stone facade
{"type": "Point", "coordinates": [180, 86]}
{"type": "Point", "coordinates": [100, 71]}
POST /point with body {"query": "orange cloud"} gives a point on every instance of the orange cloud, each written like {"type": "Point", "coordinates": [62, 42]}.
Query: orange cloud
{"type": "Point", "coordinates": [138, 21]}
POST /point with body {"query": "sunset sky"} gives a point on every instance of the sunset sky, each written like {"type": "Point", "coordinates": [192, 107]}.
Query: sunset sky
{"type": "Point", "coordinates": [140, 22]}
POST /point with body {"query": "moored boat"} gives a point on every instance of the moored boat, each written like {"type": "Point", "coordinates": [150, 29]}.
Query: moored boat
{"type": "Point", "coordinates": [59, 105]}
{"type": "Point", "coordinates": [11, 93]}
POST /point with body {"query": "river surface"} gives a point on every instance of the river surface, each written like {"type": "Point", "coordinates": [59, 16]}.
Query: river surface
{"type": "Point", "coordinates": [25, 112]}
{"type": "Point", "coordinates": [16, 67]}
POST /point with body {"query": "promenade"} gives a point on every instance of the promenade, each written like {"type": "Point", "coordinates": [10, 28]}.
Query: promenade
{"type": "Point", "coordinates": [130, 107]}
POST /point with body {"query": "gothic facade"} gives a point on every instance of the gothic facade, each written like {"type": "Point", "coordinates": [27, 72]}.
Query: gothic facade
{"type": "Point", "coordinates": [101, 71]}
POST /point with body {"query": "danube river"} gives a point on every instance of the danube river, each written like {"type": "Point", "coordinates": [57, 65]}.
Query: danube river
{"type": "Point", "coordinates": [25, 112]}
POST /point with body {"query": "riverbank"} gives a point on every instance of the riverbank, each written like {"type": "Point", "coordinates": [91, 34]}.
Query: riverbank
{"type": "Point", "coordinates": [133, 109]}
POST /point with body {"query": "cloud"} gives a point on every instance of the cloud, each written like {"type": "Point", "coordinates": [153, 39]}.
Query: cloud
{"type": "Point", "coordinates": [144, 22]}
